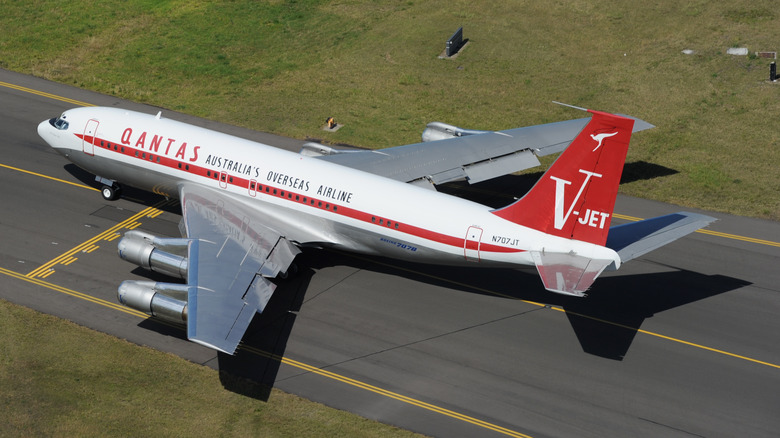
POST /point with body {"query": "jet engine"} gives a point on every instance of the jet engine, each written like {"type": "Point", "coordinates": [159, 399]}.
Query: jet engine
{"type": "Point", "coordinates": [441, 131]}
{"type": "Point", "coordinates": [166, 256]}
{"type": "Point", "coordinates": [156, 299]}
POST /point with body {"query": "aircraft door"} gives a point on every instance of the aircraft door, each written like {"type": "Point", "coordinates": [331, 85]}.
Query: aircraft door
{"type": "Point", "coordinates": [88, 141]}
{"type": "Point", "coordinates": [471, 244]}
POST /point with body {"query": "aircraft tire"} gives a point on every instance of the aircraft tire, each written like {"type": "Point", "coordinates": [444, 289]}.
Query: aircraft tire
{"type": "Point", "coordinates": [110, 193]}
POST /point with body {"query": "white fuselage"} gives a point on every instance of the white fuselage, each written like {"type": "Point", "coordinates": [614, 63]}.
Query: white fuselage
{"type": "Point", "coordinates": [310, 201]}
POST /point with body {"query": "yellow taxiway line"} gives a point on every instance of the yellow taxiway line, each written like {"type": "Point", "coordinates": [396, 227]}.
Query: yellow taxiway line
{"type": "Point", "coordinates": [48, 177]}
{"type": "Point", "coordinates": [284, 360]}
{"type": "Point", "coordinates": [44, 94]}
{"type": "Point", "coordinates": [91, 245]}
{"type": "Point", "coordinates": [112, 233]}
{"type": "Point", "coordinates": [560, 309]}
{"type": "Point", "coordinates": [711, 233]}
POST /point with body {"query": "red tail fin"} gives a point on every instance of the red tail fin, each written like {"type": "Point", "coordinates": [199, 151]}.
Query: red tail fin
{"type": "Point", "coordinates": [576, 196]}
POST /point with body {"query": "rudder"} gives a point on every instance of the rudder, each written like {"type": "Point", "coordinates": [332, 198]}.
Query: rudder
{"type": "Point", "coordinates": [575, 198]}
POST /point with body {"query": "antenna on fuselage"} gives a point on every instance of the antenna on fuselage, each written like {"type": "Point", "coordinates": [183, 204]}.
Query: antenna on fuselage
{"type": "Point", "coordinates": [159, 113]}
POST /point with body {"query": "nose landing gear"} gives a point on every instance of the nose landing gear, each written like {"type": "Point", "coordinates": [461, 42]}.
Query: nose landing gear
{"type": "Point", "coordinates": [112, 192]}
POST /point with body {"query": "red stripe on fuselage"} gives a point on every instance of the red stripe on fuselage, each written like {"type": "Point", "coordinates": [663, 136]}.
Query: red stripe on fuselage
{"type": "Point", "coordinates": [276, 191]}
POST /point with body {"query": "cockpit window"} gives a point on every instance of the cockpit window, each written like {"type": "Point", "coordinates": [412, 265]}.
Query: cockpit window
{"type": "Point", "coordinates": [60, 123]}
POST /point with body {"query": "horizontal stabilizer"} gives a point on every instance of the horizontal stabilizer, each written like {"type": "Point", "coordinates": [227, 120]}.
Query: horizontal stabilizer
{"type": "Point", "coordinates": [637, 238]}
{"type": "Point", "coordinates": [566, 273]}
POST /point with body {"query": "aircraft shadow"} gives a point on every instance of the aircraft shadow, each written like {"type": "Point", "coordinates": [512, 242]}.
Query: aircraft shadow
{"type": "Point", "coordinates": [135, 195]}
{"type": "Point", "coordinates": [605, 322]}
{"type": "Point", "coordinates": [253, 369]}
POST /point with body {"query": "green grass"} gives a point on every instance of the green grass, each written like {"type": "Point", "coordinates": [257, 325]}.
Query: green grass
{"type": "Point", "coordinates": [60, 379]}
{"type": "Point", "coordinates": [284, 66]}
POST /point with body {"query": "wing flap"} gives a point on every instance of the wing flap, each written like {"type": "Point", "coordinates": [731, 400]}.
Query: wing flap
{"type": "Point", "coordinates": [280, 258]}
{"type": "Point", "coordinates": [478, 156]}
{"type": "Point", "coordinates": [447, 158]}
{"type": "Point", "coordinates": [506, 164]}
{"type": "Point", "coordinates": [230, 258]}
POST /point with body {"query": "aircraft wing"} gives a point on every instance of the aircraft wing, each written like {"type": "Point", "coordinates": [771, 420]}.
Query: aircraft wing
{"type": "Point", "coordinates": [230, 259]}
{"type": "Point", "coordinates": [474, 155]}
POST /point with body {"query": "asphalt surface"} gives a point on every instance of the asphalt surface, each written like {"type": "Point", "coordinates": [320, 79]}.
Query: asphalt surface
{"type": "Point", "coordinates": [681, 342]}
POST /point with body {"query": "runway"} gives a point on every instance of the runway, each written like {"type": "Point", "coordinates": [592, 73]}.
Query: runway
{"type": "Point", "coordinates": [681, 342]}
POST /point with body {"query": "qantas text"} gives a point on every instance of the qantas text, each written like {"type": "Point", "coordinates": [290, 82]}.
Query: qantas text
{"type": "Point", "coordinates": [155, 143]}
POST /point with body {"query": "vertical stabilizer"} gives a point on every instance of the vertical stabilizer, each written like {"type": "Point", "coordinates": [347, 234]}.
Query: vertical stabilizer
{"type": "Point", "coordinates": [575, 198]}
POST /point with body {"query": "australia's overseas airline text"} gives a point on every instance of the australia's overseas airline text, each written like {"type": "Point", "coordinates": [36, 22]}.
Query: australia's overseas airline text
{"type": "Point", "coordinates": [165, 145]}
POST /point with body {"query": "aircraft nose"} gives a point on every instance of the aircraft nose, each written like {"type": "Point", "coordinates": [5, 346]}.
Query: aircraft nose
{"type": "Point", "coordinates": [43, 130]}
{"type": "Point", "coordinates": [42, 126]}
{"type": "Point", "coordinates": [49, 133]}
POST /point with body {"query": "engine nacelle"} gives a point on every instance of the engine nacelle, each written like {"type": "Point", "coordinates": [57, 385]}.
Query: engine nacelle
{"type": "Point", "coordinates": [441, 131]}
{"type": "Point", "coordinates": [312, 149]}
{"type": "Point", "coordinates": [155, 299]}
{"type": "Point", "coordinates": [146, 251]}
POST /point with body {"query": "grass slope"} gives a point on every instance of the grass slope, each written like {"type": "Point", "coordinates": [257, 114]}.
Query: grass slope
{"type": "Point", "coordinates": [284, 66]}
{"type": "Point", "coordinates": [60, 379]}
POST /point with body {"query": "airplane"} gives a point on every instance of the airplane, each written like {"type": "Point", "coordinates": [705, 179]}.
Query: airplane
{"type": "Point", "coordinates": [248, 208]}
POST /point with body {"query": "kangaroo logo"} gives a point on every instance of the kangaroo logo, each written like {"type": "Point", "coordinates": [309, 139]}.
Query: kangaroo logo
{"type": "Point", "coordinates": [599, 138]}
{"type": "Point", "coordinates": [591, 218]}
